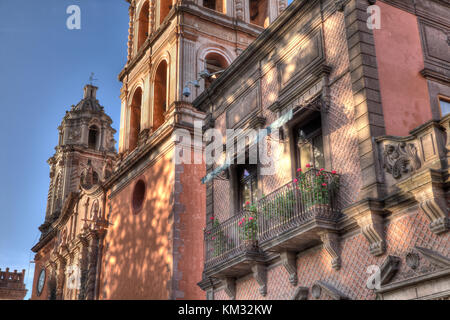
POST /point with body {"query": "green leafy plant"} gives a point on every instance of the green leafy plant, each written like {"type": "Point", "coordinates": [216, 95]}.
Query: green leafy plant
{"type": "Point", "coordinates": [220, 242]}
{"type": "Point", "coordinates": [248, 225]}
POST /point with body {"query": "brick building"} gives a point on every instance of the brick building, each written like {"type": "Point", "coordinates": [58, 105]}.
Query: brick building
{"type": "Point", "coordinates": [12, 285]}
{"type": "Point", "coordinates": [366, 136]}
{"type": "Point", "coordinates": [370, 104]}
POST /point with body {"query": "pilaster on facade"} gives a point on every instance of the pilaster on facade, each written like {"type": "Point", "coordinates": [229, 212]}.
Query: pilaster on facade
{"type": "Point", "coordinates": [369, 215]}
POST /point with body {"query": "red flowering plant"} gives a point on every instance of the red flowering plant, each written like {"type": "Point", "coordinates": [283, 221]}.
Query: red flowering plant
{"type": "Point", "coordinates": [315, 185]}
{"type": "Point", "coordinates": [248, 226]}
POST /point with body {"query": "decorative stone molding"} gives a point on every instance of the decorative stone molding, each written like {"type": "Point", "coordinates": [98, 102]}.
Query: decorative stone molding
{"type": "Point", "coordinates": [427, 189]}
{"type": "Point", "coordinates": [239, 10]}
{"type": "Point", "coordinates": [369, 217]}
{"type": "Point", "coordinates": [289, 260]}
{"type": "Point", "coordinates": [260, 275]}
{"type": "Point", "coordinates": [301, 293]}
{"type": "Point", "coordinates": [230, 287]}
{"type": "Point", "coordinates": [389, 268]}
{"type": "Point", "coordinates": [401, 158]}
{"type": "Point", "coordinates": [319, 288]}
{"type": "Point", "coordinates": [434, 257]}
{"type": "Point", "coordinates": [331, 244]}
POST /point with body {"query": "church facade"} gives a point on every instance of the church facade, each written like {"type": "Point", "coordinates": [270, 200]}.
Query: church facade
{"type": "Point", "coordinates": [361, 179]}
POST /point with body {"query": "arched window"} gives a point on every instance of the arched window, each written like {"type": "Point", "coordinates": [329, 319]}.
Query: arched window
{"type": "Point", "coordinates": [143, 24]}
{"type": "Point", "coordinates": [214, 62]}
{"type": "Point", "coordinates": [164, 8]}
{"type": "Point", "coordinates": [216, 5]}
{"type": "Point", "coordinates": [259, 13]}
{"type": "Point", "coordinates": [135, 118]}
{"type": "Point", "coordinates": [160, 95]}
{"type": "Point", "coordinates": [93, 137]}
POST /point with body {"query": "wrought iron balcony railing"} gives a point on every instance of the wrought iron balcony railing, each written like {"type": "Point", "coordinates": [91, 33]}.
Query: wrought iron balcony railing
{"type": "Point", "coordinates": [311, 196]}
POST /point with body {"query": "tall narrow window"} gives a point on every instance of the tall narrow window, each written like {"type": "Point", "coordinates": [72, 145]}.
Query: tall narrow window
{"type": "Point", "coordinates": [165, 6]}
{"type": "Point", "coordinates": [445, 106]}
{"type": "Point", "coordinates": [247, 184]}
{"type": "Point", "coordinates": [259, 13]}
{"type": "Point", "coordinates": [309, 144]}
{"type": "Point", "coordinates": [214, 62]}
{"type": "Point", "coordinates": [135, 118]}
{"type": "Point", "coordinates": [93, 137]}
{"type": "Point", "coordinates": [143, 25]}
{"type": "Point", "coordinates": [160, 95]}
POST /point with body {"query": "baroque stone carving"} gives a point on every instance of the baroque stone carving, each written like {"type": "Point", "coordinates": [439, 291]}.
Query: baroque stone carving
{"type": "Point", "coordinates": [412, 260]}
{"type": "Point", "coordinates": [401, 158]}
{"type": "Point", "coordinates": [440, 222]}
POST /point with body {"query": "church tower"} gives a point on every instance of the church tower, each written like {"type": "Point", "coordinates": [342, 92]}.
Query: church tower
{"type": "Point", "coordinates": [86, 139]}
{"type": "Point", "coordinates": [67, 251]}
{"type": "Point", "coordinates": [176, 48]}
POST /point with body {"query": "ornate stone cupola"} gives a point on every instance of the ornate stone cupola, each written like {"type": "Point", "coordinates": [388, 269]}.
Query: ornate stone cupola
{"type": "Point", "coordinates": [86, 144]}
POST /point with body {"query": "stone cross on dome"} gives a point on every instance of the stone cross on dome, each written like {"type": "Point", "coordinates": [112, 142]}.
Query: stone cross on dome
{"type": "Point", "coordinates": [91, 78]}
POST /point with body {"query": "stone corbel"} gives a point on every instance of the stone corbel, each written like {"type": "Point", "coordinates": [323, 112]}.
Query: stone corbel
{"type": "Point", "coordinates": [260, 275]}
{"type": "Point", "coordinates": [230, 287]}
{"type": "Point", "coordinates": [289, 260]}
{"type": "Point", "coordinates": [369, 217]}
{"type": "Point", "coordinates": [427, 188]}
{"type": "Point", "coordinates": [331, 244]}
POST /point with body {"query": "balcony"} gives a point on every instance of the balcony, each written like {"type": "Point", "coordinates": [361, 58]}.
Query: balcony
{"type": "Point", "coordinates": [291, 218]}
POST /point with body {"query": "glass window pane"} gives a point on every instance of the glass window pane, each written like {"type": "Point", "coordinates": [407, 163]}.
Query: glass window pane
{"type": "Point", "coordinates": [445, 107]}
{"type": "Point", "coordinates": [319, 159]}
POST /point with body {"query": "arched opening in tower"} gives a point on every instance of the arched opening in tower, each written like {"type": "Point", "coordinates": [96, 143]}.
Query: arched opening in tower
{"type": "Point", "coordinates": [259, 12]}
{"type": "Point", "coordinates": [143, 24]}
{"type": "Point", "coordinates": [135, 118]}
{"type": "Point", "coordinates": [160, 96]}
{"type": "Point", "coordinates": [93, 137]}
{"type": "Point", "coordinates": [214, 62]}
{"type": "Point", "coordinates": [164, 8]}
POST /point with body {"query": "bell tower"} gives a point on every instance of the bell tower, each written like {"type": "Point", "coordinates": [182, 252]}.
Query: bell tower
{"type": "Point", "coordinates": [86, 143]}
{"type": "Point", "coordinates": [171, 43]}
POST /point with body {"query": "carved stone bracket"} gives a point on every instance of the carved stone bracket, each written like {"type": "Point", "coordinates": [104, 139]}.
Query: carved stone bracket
{"type": "Point", "coordinates": [301, 293]}
{"type": "Point", "coordinates": [389, 268]}
{"type": "Point", "coordinates": [230, 287]}
{"type": "Point", "coordinates": [427, 188]}
{"type": "Point", "coordinates": [369, 217]}
{"type": "Point", "coordinates": [289, 260]}
{"type": "Point", "coordinates": [260, 275]}
{"type": "Point", "coordinates": [401, 158]}
{"type": "Point", "coordinates": [332, 246]}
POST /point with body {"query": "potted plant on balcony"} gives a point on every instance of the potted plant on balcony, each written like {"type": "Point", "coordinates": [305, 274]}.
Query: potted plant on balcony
{"type": "Point", "coordinates": [315, 188]}
{"type": "Point", "coordinates": [248, 227]}
{"type": "Point", "coordinates": [220, 242]}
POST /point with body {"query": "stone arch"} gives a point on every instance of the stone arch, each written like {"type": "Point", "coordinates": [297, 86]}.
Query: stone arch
{"type": "Point", "coordinates": [161, 82]}
{"type": "Point", "coordinates": [219, 54]}
{"type": "Point", "coordinates": [135, 111]}
{"type": "Point", "coordinates": [259, 12]}
{"type": "Point", "coordinates": [143, 23]}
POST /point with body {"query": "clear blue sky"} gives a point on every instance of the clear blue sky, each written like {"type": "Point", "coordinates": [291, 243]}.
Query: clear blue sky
{"type": "Point", "coordinates": [43, 68]}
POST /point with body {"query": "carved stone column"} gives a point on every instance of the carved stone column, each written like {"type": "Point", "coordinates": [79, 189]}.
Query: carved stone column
{"type": "Point", "coordinates": [92, 265]}
{"type": "Point", "coordinates": [83, 268]}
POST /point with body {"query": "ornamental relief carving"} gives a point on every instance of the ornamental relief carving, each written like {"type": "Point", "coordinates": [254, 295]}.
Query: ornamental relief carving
{"type": "Point", "coordinates": [400, 159]}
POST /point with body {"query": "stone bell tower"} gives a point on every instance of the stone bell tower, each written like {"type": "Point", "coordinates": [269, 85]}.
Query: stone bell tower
{"type": "Point", "coordinates": [86, 142]}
